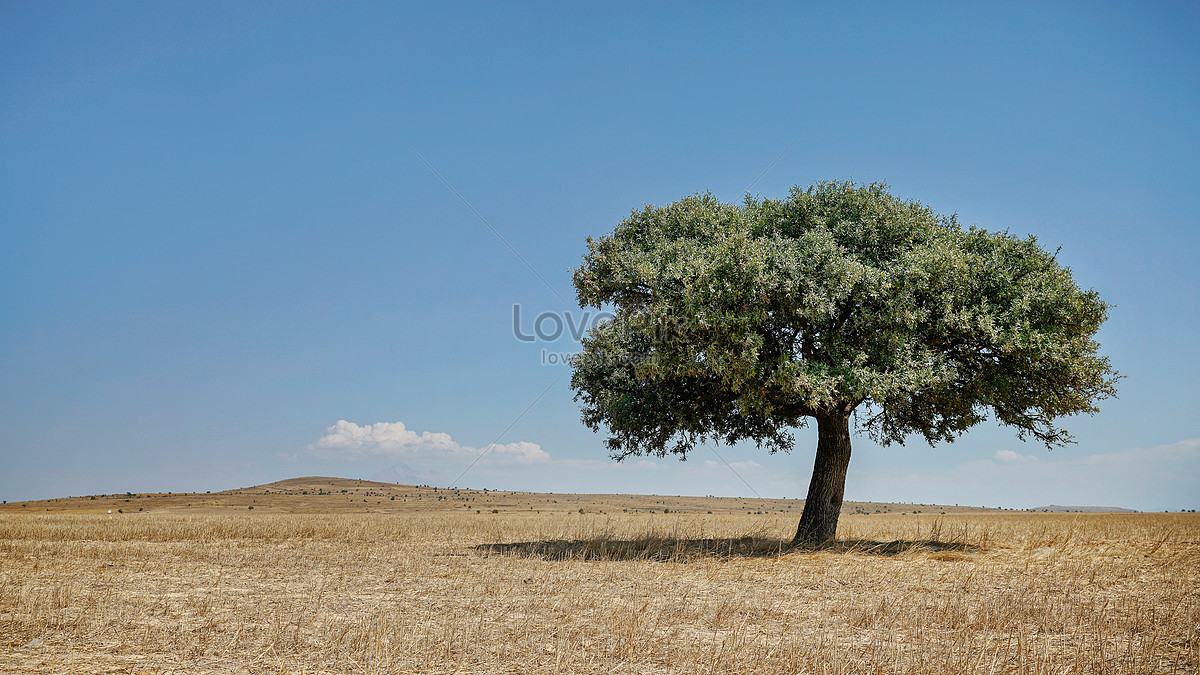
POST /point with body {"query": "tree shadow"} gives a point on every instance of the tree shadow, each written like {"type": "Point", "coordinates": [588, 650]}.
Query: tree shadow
{"type": "Point", "coordinates": [678, 549]}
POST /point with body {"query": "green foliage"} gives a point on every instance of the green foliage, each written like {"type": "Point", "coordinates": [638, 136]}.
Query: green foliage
{"type": "Point", "coordinates": [736, 322]}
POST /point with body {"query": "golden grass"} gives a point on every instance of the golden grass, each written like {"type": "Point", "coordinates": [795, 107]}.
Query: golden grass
{"type": "Point", "coordinates": [521, 592]}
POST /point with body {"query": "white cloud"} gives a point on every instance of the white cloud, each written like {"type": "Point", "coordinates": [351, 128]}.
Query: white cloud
{"type": "Point", "coordinates": [380, 438]}
{"type": "Point", "coordinates": [1011, 457]}
{"type": "Point", "coordinates": [349, 440]}
{"type": "Point", "coordinates": [522, 452]}
{"type": "Point", "coordinates": [748, 465]}
{"type": "Point", "coordinates": [737, 467]}
{"type": "Point", "coordinates": [1186, 451]}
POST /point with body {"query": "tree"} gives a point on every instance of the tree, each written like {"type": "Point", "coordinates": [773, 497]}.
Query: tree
{"type": "Point", "coordinates": [842, 302]}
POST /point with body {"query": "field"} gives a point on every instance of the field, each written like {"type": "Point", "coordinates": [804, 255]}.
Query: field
{"type": "Point", "coordinates": [471, 582]}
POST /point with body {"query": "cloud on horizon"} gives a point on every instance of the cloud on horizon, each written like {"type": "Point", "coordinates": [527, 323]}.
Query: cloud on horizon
{"type": "Point", "coordinates": [1155, 478]}
{"type": "Point", "coordinates": [349, 440]}
{"type": "Point", "coordinates": [1149, 478]}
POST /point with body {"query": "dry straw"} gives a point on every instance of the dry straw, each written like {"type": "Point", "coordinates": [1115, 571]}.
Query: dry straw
{"type": "Point", "coordinates": [521, 592]}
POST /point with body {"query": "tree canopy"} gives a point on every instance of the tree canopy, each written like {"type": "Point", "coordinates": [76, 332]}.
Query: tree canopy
{"type": "Point", "coordinates": [737, 322]}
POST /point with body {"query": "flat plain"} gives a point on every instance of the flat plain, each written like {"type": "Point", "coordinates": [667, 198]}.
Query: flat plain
{"type": "Point", "coordinates": [342, 576]}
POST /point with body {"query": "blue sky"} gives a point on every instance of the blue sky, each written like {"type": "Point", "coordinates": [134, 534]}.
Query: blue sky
{"type": "Point", "coordinates": [220, 264]}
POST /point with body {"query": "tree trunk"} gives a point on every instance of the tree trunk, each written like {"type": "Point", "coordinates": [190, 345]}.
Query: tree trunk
{"type": "Point", "coordinates": [818, 523]}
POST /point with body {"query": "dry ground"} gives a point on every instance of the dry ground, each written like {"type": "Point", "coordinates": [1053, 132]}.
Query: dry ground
{"type": "Point", "coordinates": [453, 587]}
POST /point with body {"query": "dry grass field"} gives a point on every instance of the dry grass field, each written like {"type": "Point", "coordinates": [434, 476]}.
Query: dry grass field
{"type": "Point", "coordinates": [473, 582]}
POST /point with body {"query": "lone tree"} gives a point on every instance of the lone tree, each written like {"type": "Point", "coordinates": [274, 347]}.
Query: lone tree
{"type": "Point", "coordinates": [734, 322]}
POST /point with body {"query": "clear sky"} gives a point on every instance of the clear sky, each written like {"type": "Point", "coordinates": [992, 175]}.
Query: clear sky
{"type": "Point", "coordinates": [221, 265]}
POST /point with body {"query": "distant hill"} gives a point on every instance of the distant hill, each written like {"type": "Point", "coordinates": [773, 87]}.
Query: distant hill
{"type": "Point", "coordinates": [323, 494]}
{"type": "Point", "coordinates": [1055, 508]}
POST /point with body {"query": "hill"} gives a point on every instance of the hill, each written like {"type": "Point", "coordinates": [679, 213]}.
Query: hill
{"type": "Point", "coordinates": [319, 494]}
{"type": "Point", "coordinates": [1055, 508]}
